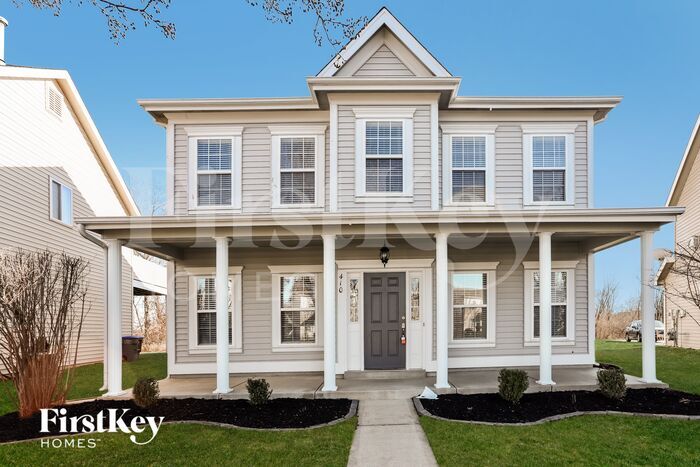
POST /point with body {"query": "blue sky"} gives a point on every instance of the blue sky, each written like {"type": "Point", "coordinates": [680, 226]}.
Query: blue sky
{"type": "Point", "coordinates": [642, 50]}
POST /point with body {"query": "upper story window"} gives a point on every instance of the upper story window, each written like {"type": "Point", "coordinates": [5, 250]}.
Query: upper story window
{"type": "Point", "coordinates": [298, 154]}
{"type": "Point", "coordinates": [468, 164]}
{"type": "Point", "coordinates": [61, 202]}
{"type": "Point", "coordinates": [215, 167]}
{"type": "Point", "coordinates": [548, 164]}
{"type": "Point", "coordinates": [472, 290]}
{"type": "Point", "coordinates": [384, 153]}
{"type": "Point", "coordinates": [562, 302]}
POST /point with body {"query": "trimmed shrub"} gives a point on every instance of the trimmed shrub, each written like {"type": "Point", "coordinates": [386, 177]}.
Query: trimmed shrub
{"type": "Point", "coordinates": [611, 382]}
{"type": "Point", "coordinates": [512, 384]}
{"type": "Point", "coordinates": [259, 391]}
{"type": "Point", "coordinates": [146, 392]}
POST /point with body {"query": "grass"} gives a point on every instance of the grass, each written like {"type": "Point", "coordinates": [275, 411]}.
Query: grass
{"type": "Point", "coordinates": [585, 440]}
{"type": "Point", "coordinates": [88, 378]}
{"type": "Point", "coordinates": [679, 368]}
{"type": "Point", "coordinates": [191, 444]}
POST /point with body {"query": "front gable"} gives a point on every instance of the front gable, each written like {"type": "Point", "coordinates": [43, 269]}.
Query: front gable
{"type": "Point", "coordinates": [384, 48]}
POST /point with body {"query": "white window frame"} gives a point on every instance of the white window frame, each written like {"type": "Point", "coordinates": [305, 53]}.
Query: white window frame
{"type": "Point", "coordinates": [568, 130]}
{"type": "Point", "coordinates": [234, 133]}
{"type": "Point", "coordinates": [235, 274]}
{"type": "Point", "coordinates": [383, 114]}
{"type": "Point", "coordinates": [63, 185]}
{"type": "Point", "coordinates": [318, 132]}
{"type": "Point", "coordinates": [451, 130]}
{"type": "Point", "coordinates": [569, 267]}
{"type": "Point", "coordinates": [489, 269]}
{"type": "Point", "coordinates": [277, 273]}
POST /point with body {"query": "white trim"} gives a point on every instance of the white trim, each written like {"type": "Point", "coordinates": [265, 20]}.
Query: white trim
{"type": "Point", "coordinates": [686, 158]}
{"type": "Point", "coordinates": [589, 146]}
{"type": "Point", "coordinates": [234, 133]}
{"type": "Point", "coordinates": [277, 273]}
{"type": "Point", "coordinates": [170, 345]}
{"type": "Point", "coordinates": [170, 169]}
{"type": "Point", "coordinates": [568, 130]}
{"type": "Point", "coordinates": [519, 360]}
{"type": "Point", "coordinates": [394, 264]}
{"type": "Point", "coordinates": [590, 264]}
{"type": "Point", "coordinates": [472, 266]}
{"type": "Point", "coordinates": [555, 264]}
{"type": "Point", "coordinates": [318, 132]}
{"type": "Point", "coordinates": [491, 307]}
{"type": "Point", "coordinates": [434, 157]}
{"type": "Point", "coordinates": [488, 132]}
{"type": "Point", "coordinates": [570, 339]}
{"type": "Point", "coordinates": [61, 185]}
{"type": "Point", "coordinates": [333, 169]}
{"type": "Point", "coordinates": [383, 18]}
{"type": "Point", "coordinates": [235, 275]}
{"type": "Point", "coordinates": [400, 114]}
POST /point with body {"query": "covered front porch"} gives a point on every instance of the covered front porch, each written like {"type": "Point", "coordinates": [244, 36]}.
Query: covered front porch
{"type": "Point", "coordinates": [454, 242]}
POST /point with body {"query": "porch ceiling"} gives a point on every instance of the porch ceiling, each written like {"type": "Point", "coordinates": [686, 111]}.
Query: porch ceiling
{"type": "Point", "coordinates": [167, 236]}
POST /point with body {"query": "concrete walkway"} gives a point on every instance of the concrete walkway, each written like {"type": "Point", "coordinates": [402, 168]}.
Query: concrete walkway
{"type": "Point", "coordinates": [388, 434]}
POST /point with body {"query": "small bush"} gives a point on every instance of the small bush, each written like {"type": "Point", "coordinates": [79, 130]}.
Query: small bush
{"type": "Point", "coordinates": [146, 392]}
{"type": "Point", "coordinates": [512, 384]}
{"type": "Point", "coordinates": [611, 382]}
{"type": "Point", "coordinates": [259, 391]}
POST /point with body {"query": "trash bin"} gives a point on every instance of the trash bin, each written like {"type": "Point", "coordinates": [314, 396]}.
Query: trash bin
{"type": "Point", "coordinates": [131, 347]}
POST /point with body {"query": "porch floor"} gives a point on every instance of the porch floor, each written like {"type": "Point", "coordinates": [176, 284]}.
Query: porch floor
{"type": "Point", "coordinates": [309, 385]}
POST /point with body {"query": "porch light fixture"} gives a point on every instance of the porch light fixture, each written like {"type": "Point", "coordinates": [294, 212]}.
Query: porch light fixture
{"type": "Point", "coordinates": [384, 255]}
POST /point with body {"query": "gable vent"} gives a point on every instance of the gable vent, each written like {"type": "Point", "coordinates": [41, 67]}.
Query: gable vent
{"type": "Point", "coordinates": [54, 101]}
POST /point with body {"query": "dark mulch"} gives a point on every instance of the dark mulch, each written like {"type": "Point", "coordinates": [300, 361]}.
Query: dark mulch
{"type": "Point", "coordinates": [277, 413]}
{"type": "Point", "coordinates": [536, 406]}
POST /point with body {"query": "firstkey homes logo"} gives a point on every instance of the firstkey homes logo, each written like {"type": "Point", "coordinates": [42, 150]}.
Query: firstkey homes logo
{"type": "Point", "coordinates": [141, 429]}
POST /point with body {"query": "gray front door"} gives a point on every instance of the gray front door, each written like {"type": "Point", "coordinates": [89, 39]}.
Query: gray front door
{"type": "Point", "coordinates": [385, 321]}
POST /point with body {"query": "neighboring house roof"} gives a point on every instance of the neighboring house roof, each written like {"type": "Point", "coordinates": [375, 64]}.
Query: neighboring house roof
{"type": "Point", "coordinates": [691, 153]}
{"type": "Point", "coordinates": [666, 266]}
{"type": "Point", "coordinates": [420, 71]}
{"type": "Point", "coordinates": [64, 81]}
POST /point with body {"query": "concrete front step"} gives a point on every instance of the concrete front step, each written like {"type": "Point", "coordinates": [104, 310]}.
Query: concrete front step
{"type": "Point", "coordinates": [384, 374]}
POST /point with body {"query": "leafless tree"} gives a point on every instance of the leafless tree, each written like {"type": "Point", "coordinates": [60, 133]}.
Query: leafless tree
{"type": "Point", "coordinates": [42, 308]}
{"type": "Point", "coordinates": [330, 25]}
{"type": "Point", "coordinates": [150, 321]}
{"type": "Point", "coordinates": [682, 285]}
{"type": "Point", "coordinates": [605, 301]}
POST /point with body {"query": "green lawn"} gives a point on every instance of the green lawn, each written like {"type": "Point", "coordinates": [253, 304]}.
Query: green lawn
{"type": "Point", "coordinates": [88, 378]}
{"type": "Point", "coordinates": [586, 440]}
{"type": "Point", "coordinates": [190, 444]}
{"type": "Point", "coordinates": [679, 368]}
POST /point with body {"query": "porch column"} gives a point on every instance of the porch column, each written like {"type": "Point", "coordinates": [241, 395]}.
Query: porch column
{"type": "Point", "coordinates": [647, 305]}
{"type": "Point", "coordinates": [442, 303]}
{"type": "Point", "coordinates": [222, 298]}
{"type": "Point", "coordinates": [329, 312]}
{"type": "Point", "coordinates": [545, 248]}
{"type": "Point", "coordinates": [114, 317]}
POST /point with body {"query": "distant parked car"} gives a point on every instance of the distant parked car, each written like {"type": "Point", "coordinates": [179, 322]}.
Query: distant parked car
{"type": "Point", "coordinates": [634, 330]}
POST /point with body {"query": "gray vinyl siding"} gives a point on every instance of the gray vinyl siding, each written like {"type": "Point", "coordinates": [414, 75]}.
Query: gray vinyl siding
{"type": "Point", "coordinates": [346, 164]}
{"type": "Point", "coordinates": [257, 295]}
{"type": "Point", "coordinates": [383, 63]}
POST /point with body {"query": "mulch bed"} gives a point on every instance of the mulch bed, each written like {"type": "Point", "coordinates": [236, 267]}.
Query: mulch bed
{"type": "Point", "coordinates": [537, 406]}
{"type": "Point", "coordinates": [277, 413]}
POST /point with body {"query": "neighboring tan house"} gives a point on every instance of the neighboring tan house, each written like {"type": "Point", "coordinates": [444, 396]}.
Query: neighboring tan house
{"type": "Point", "coordinates": [679, 312]}
{"type": "Point", "coordinates": [55, 168]}
{"type": "Point", "coordinates": [475, 204]}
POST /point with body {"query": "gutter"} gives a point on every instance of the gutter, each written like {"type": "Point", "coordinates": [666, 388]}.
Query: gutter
{"type": "Point", "coordinates": [93, 238]}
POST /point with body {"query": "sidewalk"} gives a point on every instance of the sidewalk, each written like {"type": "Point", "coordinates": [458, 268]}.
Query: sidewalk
{"type": "Point", "coordinates": [388, 434]}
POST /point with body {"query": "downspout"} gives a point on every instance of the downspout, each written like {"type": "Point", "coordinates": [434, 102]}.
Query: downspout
{"type": "Point", "coordinates": [93, 238]}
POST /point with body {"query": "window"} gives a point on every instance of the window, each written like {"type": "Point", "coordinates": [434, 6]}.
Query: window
{"type": "Point", "coordinates": [202, 310]}
{"type": "Point", "coordinates": [384, 148]}
{"type": "Point", "coordinates": [296, 324]}
{"type": "Point", "coordinates": [468, 164]}
{"type": "Point", "coordinates": [562, 302]}
{"type": "Point", "coordinates": [215, 167]}
{"type": "Point", "coordinates": [472, 292]}
{"type": "Point", "coordinates": [298, 165]}
{"type": "Point", "coordinates": [548, 155]}
{"type": "Point", "coordinates": [206, 311]}
{"type": "Point", "coordinates": [61, 203]}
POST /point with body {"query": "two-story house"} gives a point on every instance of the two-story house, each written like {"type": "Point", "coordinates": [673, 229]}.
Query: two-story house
{"type": "Point", "coordinates": [382, 223]}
